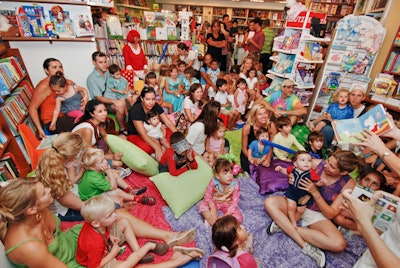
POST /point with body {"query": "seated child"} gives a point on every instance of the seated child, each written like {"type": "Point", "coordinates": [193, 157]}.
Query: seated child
{"type": "Point", "coordinates": [189, 79]}
{"type": "Point", "coordinates": [240, 99]}
{"type": "Point", "coordinates": [296, 197]}
{"type": "Point", "coordinates": [285, 138]}
{"type": "Point", "coordinates": [102, 234]}
{"type": "Point", "coordinates": [68, 99]}
{"type": "Point", "coordinates": [179, 157]}
{"type": "Point", "coordinates": [215, 144]}
{"type": "Point", "coordinates": [253, 87]}
{"type": "Point", "coordinates": [371, 179]}
{"type": "Point", "coordinates": [314, 144]}
{"type": "Point", "coordinates": [222, 193]}
{"type": "Point", "coordinates": [94, 181]}
{"type": "Point", "coordinates": [117, 86]}
{"type": "Point", "coordinates": [338, 110]}
{"type": "Point", "coordinates": [213, 74]}
{"type": "Point", "coordinates": [222, 98]}
{"type": "Point", "coordinates": [151, 81]}
{"type": "Point", "coordinates": [181, 69]}
{"type": "Point", "coordinates": [258, 153]}
{"type": "Point", "coordinates": [155, 128]}
{"type": "Point", "coordinates": [230, 237]}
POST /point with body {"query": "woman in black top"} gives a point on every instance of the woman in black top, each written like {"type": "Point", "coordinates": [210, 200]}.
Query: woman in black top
{"type": "Point", "coordinates": [137, 117]}
{"type": "Point", "coordinates": [216, 41]}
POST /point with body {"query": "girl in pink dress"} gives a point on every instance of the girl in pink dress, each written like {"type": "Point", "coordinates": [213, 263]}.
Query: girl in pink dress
{"type": "Point", "coordinates": [222, 193]}
{"type": "Point", "coordinates": [215, 143]}
{"type": "Point", "coordinates": [240, 99]}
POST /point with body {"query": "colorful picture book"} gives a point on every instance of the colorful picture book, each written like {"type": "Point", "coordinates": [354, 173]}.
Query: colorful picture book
{"type": "Point", "coordinates": [63, 25]}
{"type": "Point", "coordinates": [114, 28]}
{"type": "Point", "coordinates": [383, 85]}
{"type": "Point", "coordinates": [385, 208]}
{"type": "Point", "coordinates": [349, 130]}
{"type": "Point", "coordinates": [83, 25]}
{"type": "Point", "coordinates": [31, 21]}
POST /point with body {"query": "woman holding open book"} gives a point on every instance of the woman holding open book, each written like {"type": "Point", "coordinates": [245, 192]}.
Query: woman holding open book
{"type": "Point", "coordinates": [384, 250]}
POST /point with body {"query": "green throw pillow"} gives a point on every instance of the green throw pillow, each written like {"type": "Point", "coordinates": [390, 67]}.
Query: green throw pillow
{"type": "Point", "coordinates": [183, 191]}
{"type": "Point", "coordinates": [132, 156]}
{"type": "Point", "coordinates": [235, 142]}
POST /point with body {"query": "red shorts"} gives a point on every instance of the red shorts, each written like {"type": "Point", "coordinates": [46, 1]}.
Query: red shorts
{"type": "Point", "coordinates": [139, 142]}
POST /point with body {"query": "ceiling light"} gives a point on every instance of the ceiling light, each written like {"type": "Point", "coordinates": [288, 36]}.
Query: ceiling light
{"type": "Point", "coordinates": [259, 1]}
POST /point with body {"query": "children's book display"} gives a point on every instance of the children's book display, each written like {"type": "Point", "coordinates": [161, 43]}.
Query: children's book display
{"type": "Point", "coordinates": [385, 208]}
{"type": "Point", "coordinates": [349, 60]}
{"type": "Point", "coordinates": [51, 20]}
{"type": "Point", "coordinates": [157, 32]}
{"type": "Point", "coordinates": [296, 54]}
{"type": "Point", "coordinates": [349, 130]}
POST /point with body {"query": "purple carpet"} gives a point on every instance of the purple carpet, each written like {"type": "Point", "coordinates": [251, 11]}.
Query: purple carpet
{"type": "Point", "coordinates": [276, 250]}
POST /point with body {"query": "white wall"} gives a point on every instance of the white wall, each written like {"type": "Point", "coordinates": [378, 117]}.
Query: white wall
{"type": "Point", "coordinates": [75, 57]}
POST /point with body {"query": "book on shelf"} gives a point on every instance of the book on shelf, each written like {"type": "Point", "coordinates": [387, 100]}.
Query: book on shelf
{"type": "Point", "coordinates": [19, 69]}
{"type": "Point", "coordinates": [312, 51]}
{"type": "Point", "coordinates": [5, 173]}
{"type": "Point", "coordinates": [393, 63]}
{"type": "Point", "coordinates": [5, 165]}
{"type": "Point", "coordinates": [31, 21]}
{"type": "Point", "coordinates": [9, 157]}
{"type": "Point", "coordinates": [8, 74]}
{"type": "Point", "coordinates": [21, 146]}
{"type": "Point", "coordinates": [3, 137]}
{"type": "Point", "coordinates": [63, 24]}
{"type": "Point", "coordinates": [349, 130]}
{"type": "Point", "coordinates": [83, 25]}
{"type": "Point", "coordinates": [15, 107]}
{"type": "Point", "coordinates": [385, 208]}
{"type": "Point", "coordinates": [384, 85]}
{"type": "Point", "coordinates": [114, 28]}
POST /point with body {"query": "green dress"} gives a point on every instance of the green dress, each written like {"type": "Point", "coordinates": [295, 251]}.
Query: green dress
{"type": "Point", "coordinates": [63, 246]}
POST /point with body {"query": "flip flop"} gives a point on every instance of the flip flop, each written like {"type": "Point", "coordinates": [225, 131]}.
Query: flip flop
{"type": "Point", "coordinates": [160, 249]}
{"type": "Point", "coordinates": [187, 251]}
{"type": "Point", "coordinates": [183, 238]}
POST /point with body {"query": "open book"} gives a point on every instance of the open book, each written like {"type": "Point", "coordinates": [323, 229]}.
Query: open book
{"type": "Point", "coordinates": [47, 142]}
{"type": "Point", "coordinates": [385, 208]}
{"type": "Point", "coordinates": [349, 130]}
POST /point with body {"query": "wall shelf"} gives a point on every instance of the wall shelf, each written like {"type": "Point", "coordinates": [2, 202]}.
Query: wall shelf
{"type": "Point", "coordinates": [61, 39]}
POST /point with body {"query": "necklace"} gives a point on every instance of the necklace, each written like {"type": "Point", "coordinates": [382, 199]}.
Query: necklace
{"type": "Point", "coordinates": [135, 51]}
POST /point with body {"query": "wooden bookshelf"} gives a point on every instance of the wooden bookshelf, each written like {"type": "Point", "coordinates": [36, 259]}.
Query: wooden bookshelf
{"type": "Point", "coordinates": [11, 145]}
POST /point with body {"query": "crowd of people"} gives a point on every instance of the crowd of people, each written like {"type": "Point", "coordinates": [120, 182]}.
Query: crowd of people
{"type": "Point", "coordinates": [79, 179]}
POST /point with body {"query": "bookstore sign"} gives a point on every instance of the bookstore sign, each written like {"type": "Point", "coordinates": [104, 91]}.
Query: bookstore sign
{"type": "Point", "coordinates": [304, 19]}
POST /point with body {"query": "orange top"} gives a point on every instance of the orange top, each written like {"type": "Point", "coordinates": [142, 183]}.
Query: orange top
{"type": "Point", "coordinates": [47, 108]}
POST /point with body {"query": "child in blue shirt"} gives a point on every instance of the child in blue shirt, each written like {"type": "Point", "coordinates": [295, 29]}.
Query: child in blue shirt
{"type": "Point", "coordinates": [258, 153]}
{"type": "Point", "coordinates": [338, 110]}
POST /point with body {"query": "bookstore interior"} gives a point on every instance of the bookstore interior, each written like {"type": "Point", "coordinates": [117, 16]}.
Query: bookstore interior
{"type": "Point", "coordinates": [319, 46]}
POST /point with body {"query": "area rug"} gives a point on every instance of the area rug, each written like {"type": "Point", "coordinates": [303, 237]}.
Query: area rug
{"type": "Point", "coordinates": [276, 250]}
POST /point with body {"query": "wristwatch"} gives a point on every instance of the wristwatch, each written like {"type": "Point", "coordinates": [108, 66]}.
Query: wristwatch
{"type": "Point", "coordinates": [385, 153]}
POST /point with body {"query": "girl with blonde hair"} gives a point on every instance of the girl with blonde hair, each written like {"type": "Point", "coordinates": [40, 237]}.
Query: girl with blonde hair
{"type": "Point", "coordinates": [32, 235]}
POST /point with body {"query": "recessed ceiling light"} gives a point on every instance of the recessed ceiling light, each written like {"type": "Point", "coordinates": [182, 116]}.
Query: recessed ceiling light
{"type": "Point", "coordinates": [260, 1]}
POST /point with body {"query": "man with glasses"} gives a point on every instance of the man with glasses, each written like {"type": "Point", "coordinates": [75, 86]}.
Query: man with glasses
{"type": "Point", "coordinates": [97, 84]}
{"type": "Point", "coordinates": [285, 102]}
